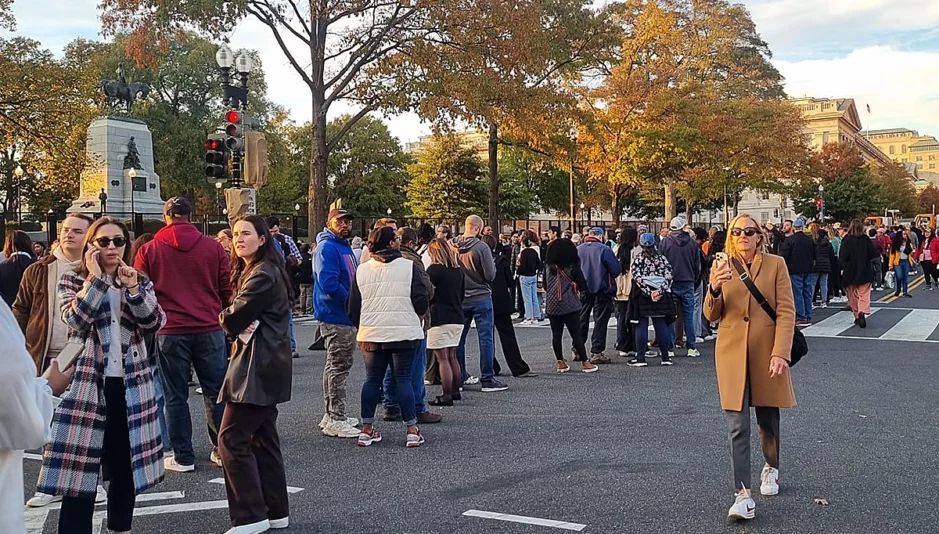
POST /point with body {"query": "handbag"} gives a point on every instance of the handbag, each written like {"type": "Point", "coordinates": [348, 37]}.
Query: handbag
{"type": "Point", "coordinates": [800, 347]}
{"type": "Point", "coordinates": [890, 279]}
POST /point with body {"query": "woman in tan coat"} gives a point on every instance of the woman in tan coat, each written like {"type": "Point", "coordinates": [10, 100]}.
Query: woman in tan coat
{"type": "Point", "coordinates": [752, 354]}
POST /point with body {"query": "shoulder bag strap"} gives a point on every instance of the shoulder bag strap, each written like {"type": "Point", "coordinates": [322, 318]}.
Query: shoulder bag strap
{"type": "Point", "coordinates": [747, 281]}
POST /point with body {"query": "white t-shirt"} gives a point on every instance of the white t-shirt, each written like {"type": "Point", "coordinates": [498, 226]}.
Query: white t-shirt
{"type": "Point", "coordinates": [114, 366]}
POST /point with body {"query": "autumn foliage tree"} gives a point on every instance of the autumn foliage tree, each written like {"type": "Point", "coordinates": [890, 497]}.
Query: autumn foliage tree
{"type": "Point", "coordinates": [928, 199]}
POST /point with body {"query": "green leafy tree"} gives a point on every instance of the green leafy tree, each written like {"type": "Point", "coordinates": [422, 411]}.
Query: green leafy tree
{"type": "Point", "coordinates": [447, 181]}
{"type": "Point", "coordinates": [896, 189]}
{"type": "Point", "coordinates": [850, 189]}
{"type": "Point", "coordinates": [928, 199]}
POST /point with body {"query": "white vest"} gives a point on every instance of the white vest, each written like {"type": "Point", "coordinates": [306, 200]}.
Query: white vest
{"type": "Point", "coordinates": [387, 312]}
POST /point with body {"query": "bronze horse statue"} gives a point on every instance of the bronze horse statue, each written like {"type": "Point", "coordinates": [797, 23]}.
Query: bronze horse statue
{"type": "Point", "coordinates": [121, 92]}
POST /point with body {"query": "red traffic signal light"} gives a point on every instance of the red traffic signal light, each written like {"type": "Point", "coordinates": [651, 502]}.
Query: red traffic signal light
{"type": "Point", "coordinates": [213, 144]}
{"type": "Point", "coordinates": [818, 202]}
{"type": "Point", "coordinates": [232, 116]}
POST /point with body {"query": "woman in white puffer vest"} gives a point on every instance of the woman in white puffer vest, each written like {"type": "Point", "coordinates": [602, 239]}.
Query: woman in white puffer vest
{"type": "Point", "coordinates": [387, 303]}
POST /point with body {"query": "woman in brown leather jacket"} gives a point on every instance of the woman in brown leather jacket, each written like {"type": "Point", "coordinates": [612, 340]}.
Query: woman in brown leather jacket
{"type": "Point", "coordinates": [259, 378]}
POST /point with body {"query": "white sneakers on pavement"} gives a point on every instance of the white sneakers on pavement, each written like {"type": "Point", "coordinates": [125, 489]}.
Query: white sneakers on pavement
{"type": "Point", "coordinates": [326, 419]}
{"type": "Point", "coordinates": [170, 464]}
{"type": "Point", "coordinates": [340, 429]}
{"type": "Point", "coordinates": [280, 523]}
{"type": "Point", "coordinates": [41, 499]}
{"type": "Point", "coordinates": [692, 353]}
{"type": "Point", "coordinates": [253, 528]}
{"type": "Point", "coordinates": [471, 380]}
{"type": "Point", "coordinates": [744, 507]}
{"type": "Point", "coordinates": [769, 481]}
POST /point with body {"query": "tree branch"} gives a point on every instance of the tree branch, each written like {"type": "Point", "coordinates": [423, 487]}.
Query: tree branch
{"type": "Point", "coordinates": [330, 144]}
{"type": "Point", "coordinates": [283, 46]}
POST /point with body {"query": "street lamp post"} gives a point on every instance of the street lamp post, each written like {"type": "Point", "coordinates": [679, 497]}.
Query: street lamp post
{"type": "Point", "coordinates": [582, 206]}
{"type": "Point", "coordinates": [235, 97]}
{"type": "Point", "coordinates": [573, 134]}
{"type": "Point", "coordinates": [132, 173]}
{"type": "Point", "coordinates": [18, 172]}
{"type": "Point", "coordinates": [296, 215]}
{"type": "Point", "coordinates": [821, 189]}
{"type": "Point", "coordinates": [218, 200]}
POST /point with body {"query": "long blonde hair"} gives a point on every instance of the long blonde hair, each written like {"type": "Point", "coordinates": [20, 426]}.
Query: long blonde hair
{"type": "Point", "coordinates": [730, 246]}
{"type": "Point", "coordinates": [441, 252]}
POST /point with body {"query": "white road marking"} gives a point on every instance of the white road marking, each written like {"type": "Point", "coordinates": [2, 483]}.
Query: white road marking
{"type": "Point", "coordinates": [184, 507]}
{"type": "Point", "coordinates": [290, 489]}
{"type": "Point", "coordinates": [834, 325]}
{"type": "Point", "coordinates": [915, 326]}
{"type": "Point", "coordinates": [31, 456]}
{"type": "Point", "coordinates": [577, 527]}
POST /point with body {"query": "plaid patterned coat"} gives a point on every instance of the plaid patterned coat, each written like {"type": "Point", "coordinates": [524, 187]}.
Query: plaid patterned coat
{"type": "Point", "coordinates": [71, 461]}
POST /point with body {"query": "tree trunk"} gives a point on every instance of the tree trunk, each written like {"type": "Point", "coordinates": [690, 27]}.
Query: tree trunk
{"type": "Point", "coordinates": [614, 205]}
{"type": "Point", "coordinates": [494, 178]}
{"type": "Point", "coordinates": [688, 209]}
{"type": "Point", "coordinates": [671, 202]}
{"type": "Point", "coordinates": [319, 153]}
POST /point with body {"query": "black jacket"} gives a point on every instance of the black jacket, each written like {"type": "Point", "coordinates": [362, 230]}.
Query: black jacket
{"type": "Point", "coordinates": [824, 256]}
{"type": "Point", "coordinates": [446, 306]}
{"type": "Point", "coordinates": [799, 252]}
{"type": "Point", "coordinates": [855, 258]}
{"type": "Point", "coordinates": [11, 274]}
{"type": "Point", "coordinates": [501, 299]}
{"type": "Point", "coordinates": [306, 268]}
{"type": "Point", "coordinates": [260, 371]}
{"type": "Point", "coordinates": [529, 263]}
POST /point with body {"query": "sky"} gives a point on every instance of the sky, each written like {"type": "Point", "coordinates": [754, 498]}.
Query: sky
{"type": "Point", "coordinates": [882, 53]}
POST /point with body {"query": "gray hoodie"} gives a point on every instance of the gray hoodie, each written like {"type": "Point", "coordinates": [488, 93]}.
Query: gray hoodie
{"type": "Point", "coordinates": [479, 268]}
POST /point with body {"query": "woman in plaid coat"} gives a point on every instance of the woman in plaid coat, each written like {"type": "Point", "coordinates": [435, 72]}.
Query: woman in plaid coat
{"type": "Point", "coordinates": [108, 416]}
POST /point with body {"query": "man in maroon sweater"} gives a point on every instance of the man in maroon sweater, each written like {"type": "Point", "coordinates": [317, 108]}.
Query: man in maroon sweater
{"type": "Point", "coordinates": [191, 275]}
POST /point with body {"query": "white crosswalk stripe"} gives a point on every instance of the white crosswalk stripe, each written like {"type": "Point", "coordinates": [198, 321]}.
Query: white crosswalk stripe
{"type": "Point", "coordinates": [913, 325]}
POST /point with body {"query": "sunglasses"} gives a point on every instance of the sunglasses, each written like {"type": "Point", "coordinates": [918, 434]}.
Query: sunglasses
{"type": "Point", "coordinates": [749, 231]}
{"type": "Point", "coordinates": [105, 242]}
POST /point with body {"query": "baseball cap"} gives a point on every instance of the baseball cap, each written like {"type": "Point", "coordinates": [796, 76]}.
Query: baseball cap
{"type": "Point", "coordinates": [798, 223]}
{"type": "Point", "coordinates": [677, 223]}
{"type": "Point", "coordinates": [647, 240]}
{"type": "Point", "coordinates": [177, 206]}
{"type": "Point", "coordinates": [596, 230]}
{"type": "Point", "coordinates": [338, 213]}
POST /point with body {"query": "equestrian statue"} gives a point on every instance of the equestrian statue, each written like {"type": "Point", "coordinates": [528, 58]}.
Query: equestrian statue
{"type": "Point", "coordinates": [119, 91]}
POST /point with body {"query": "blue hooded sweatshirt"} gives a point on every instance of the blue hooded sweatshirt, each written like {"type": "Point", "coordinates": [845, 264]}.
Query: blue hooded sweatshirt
{"type": "Point", "coordinates": [333, 275]}
{"type": "Point", "coordinates": [600, 267]}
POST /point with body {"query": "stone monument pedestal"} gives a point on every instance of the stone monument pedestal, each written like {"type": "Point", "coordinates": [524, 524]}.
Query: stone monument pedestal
{"type": "Point", "coordinates": [107, 147]}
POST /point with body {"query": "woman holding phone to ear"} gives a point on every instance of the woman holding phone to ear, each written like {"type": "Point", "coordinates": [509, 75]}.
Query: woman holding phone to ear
{"type": "Point", "coordinates": [753, 353]}
{"type": "Point", "coordinates": [109, 308]}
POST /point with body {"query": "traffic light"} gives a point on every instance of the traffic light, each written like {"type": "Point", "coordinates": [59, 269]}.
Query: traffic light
{"type": "Point", "coordinates": [819, 202]}
{"type": "Point", "coordinates": [216, 158]}
{"type": "Point", "coordinates": [235, 131]}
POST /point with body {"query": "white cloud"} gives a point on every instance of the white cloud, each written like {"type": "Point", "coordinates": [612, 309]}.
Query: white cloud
{"type": "Point", "coordinates": [901, 87]}
{"type": "Point", "coordinates": [815, 27]}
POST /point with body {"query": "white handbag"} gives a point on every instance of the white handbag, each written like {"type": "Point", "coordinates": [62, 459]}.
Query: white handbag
{"type": "Point", "coordinates": [890, 280]}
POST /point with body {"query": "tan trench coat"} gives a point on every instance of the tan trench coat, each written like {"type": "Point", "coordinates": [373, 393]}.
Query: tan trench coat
{"type": "Point", "coordinates": [743, 319]}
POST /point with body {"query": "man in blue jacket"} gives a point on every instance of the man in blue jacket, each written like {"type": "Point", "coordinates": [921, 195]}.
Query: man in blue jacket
{"type": "Point", "coordinates": [684, 256]}
{"type": "Point", "coordinates": [600, 268]}
{"type": "Point", "coordinates": [333, 275]}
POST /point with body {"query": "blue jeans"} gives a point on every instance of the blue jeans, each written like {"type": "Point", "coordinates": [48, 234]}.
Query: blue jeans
{"type": "Point", "coordinates": [206, 353]}
{"type": "Point", "coordinates": [530, 296]}
{"type": "Point", "coordinates": [642, 336]}
{"type": "Point", "coordinates": [802, 291]}
{"type": "Point", "coordinates": [684, 304]}
{"type": "Point", "coordinates": [811, 281]}
{"type": "Point", "coordinates": [482, 312]}
{"type": "Point", "coordinates": [376, 364]}
{"type": "Point", "coordinates": [823, 286]}
{"type": "Point", "coordinates": [293, 340]}
{"type": "Point", "coordinates": [903, 276]}
{"type": "Point", "coordinates": [417, 381]}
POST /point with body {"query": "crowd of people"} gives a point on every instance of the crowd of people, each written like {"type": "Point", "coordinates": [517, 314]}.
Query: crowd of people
{"type": "Point", "coordinates": [116, 329]}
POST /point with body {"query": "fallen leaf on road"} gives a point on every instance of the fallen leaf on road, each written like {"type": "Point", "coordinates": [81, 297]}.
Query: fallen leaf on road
{"type": "Point", "coordinates": [822, 502]}
{"type": "Point", "coordinates": [863, 416]}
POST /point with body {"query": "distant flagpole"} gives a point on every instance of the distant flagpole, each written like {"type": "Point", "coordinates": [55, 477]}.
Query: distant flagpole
{"type": "Point", "coordinates": [870, 122]}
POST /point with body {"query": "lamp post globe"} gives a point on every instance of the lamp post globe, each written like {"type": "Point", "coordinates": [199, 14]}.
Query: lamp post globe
{"type": "Point", "coordinates": [244, 63]}
{"type": "Point", "coordinates": [389, 211]}
{"type": "Point", "coordinates": [132, 173]}
{"type": "Point", "coordinates": [224, 57]}
{"type": "Point", "coordinates": [296, 207]}
{"type": "Point", "coordinates": [218, 185]}
{"type": "Point", "coordinates": [18, 171]}
{"type": "Point", "coordinates": [821, 189]}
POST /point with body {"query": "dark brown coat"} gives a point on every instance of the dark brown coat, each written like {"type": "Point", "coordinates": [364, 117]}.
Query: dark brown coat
{"type": "Point", "coordinates": [748, 339]}
{"type": "Point", "coordinates": [260, 371]}
{"type": "Point", "coordinates": [31, 309]}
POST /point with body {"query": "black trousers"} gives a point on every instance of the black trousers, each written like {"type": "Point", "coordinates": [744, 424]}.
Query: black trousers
{"type": "Point", "coordinates": [513, 356]}
{"type": "Point", "coordinates": [624, 328]}
{"type": "Point", "coordinates": [929, 272]}
{"type": "Point", "coordinates": [602, 308]}
{"type": "Point", "coordinates": [255, 480]}
{"type": "Point", "coordinates": [572, 322]}
{"type": "Point", "coordinates": [77, 512]}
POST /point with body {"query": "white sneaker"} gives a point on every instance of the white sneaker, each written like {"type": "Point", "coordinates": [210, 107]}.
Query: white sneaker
{"type": "Point", "coordinates": [699, 340]}
{"type": "Point", "coordinates": [215, 458]}
{"type": "Point", "coordinates": [170, 464]}
{"type": "Point", "coordinates": [823, 305]}
{"type": "Point", "coordinates": [471, 380]}
{"type": "Point", "coordinates": [671, 354]}
{"type": "Point", "coordinates": [692, 353]}
{"type": "Point", "coordinates": [253, 528]}
{"type": "Point", "coordinates": [324, 421]}
{"type": "Point", "coordinates": [711, 337]}
{"type": "Point", "coordinates": [41, 499]}
{"type": "Point", "coordinates": [743, 508]}
{"type": "Point", "coordinates": [280, 523]}
{"type": "Point", "coordinates": [769, 481]}
{"type": "Point", "coordinates": [101, 496]}
{"type": "Point", "coordinates": [340, 429]}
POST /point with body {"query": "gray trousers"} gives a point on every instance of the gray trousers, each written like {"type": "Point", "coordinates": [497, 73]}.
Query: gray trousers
{"type": "Point", "coordinates": [739, 424]}
{"type": "Point", "coordinates": [340, 345]}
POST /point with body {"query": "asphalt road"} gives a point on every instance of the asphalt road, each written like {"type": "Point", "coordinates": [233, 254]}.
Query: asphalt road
{"type": "Point", "coordinates": [622, 450]}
